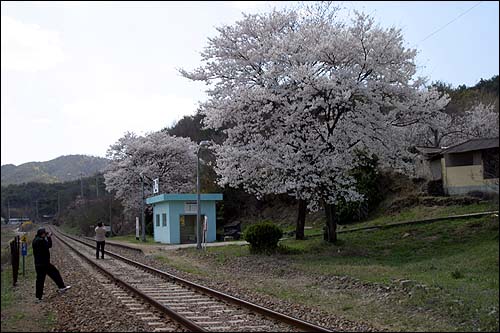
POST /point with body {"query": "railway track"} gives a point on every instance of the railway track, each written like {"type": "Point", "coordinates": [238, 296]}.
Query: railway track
{"type": "Point", "coordinates": [195, 307]}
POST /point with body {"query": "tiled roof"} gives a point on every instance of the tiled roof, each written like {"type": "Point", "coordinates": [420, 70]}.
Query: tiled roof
{"type": "Point", "coordinates": [473, 144]}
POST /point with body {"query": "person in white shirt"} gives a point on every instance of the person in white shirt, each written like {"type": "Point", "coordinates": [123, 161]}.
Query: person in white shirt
{"type": "Point", "coordinates": [100, 237]}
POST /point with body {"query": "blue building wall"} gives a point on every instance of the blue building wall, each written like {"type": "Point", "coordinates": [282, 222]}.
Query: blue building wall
{"type": "Point", "coordinates": [161, 233]}
{"type": "Point", "coordinates": [174, 206]}
{"type": "Point", "coordinates": [207, 208]}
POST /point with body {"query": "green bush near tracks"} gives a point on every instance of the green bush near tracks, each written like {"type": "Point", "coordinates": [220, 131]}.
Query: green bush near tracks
{"type": "Point", "coordinates": [263, 237]}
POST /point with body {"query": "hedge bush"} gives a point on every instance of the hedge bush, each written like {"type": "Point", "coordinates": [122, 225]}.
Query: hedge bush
{"type": "Point", "coordinates": [263, 236]}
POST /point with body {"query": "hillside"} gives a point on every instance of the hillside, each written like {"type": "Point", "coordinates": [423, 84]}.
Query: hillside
{"type": "Point", "coordinates": [463, 97]}
{"type": "Point", "coordinates": [63, 168]}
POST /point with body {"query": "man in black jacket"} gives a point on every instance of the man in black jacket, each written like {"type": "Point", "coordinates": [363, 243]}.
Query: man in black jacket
{"type": "Point", "coordinates": [41, 245]}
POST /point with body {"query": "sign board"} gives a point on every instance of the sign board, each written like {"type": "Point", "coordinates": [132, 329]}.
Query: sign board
{"type": "Point", "coordinates": [137, 228]}
{"type": "Point", "coordinates": [190, 207]}
{"type": "Point", "coordinates": [23, 238]}
{"type": "Point", "coordinates": [24, 249]}
{"type": "Point", "coordinates": [156, 185]}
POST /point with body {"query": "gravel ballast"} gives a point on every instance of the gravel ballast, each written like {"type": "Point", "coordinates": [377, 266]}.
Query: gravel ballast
{"type": "Point", "coordinates": [300, 311]}
{"type": "Point", "coordinates": [90, 305]}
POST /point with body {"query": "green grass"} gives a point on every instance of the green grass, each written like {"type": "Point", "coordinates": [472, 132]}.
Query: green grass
{"type": "Point", "coordinates": [223, 253]}
{"type": "Point", "coordinates": [411, 214]}
{"type": "Point", "coordinates": [49, 320]}
{"type": "Point", "coordinates": [7, 295]}
{"type": "Point", "coordinates": [131, 239]}
{"type": "Point", "coordinates": [13, 300]}
{"type": "Point", "coordinates": [422, 212]}
{"type": "Point", "coordinates": [457, 260]}
{"type": "Point", "coordinates": [180, 265]}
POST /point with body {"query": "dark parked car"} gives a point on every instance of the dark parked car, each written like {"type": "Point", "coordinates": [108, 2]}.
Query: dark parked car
{"type": "Point", "coordinates": [233, 229]}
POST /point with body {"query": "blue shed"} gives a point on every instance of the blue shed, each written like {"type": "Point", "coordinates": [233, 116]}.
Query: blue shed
{"type": "Point", "coordinates": [174, 216]}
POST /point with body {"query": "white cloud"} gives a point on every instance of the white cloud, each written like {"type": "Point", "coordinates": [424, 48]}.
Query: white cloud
{"type": "Point", "coordinates": [90, 126]}
{"type": "Point", "coordinates": [120, 112]}
{"type": "Point", "coordinates": [28, 47]}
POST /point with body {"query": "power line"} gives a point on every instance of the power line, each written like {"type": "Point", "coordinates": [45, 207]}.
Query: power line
{"type": "Point", "coordinates": [447, 24]}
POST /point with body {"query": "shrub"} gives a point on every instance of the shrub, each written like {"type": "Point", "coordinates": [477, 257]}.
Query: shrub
{"type": "Point", "coordinates": [26, 226]}
{"type": "Point", "coordinates": [263, 237]}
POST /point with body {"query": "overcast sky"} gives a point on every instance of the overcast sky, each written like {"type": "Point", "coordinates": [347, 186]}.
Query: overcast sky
{"type": "Point", "coordinates": [76, 76]}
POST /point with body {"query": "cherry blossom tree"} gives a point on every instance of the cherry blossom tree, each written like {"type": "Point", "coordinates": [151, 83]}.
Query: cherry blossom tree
{"type": "Point", "coordinates": [297, 91]}
{"type": "Point", "coordinates": [481, 121]}
{"type": "Point", "coordinates": [440, 129]}
{"type": "Point", "coordinates": [156, 155]}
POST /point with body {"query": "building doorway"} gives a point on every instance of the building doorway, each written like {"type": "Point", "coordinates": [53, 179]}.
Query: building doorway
{"type": "Point", "coordinates": [187, 227]}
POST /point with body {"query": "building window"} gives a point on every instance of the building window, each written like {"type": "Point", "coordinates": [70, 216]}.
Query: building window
{"type": "Point", "coordinates": [164, 219]}
{"type": "Point", "coordinates": [490, 163]}
{"type": "Point", "coordinates": [460, 159]}
{"type": "Point", "coordinates": [157, 220]}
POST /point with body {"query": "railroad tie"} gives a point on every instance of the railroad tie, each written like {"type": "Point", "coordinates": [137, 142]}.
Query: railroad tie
{"type": "Point", "coordinates": [197, 317]}
{"type": "Point", "coordinates": [155, 323]}
{"type": "Point", "coordinates": [220, 328]}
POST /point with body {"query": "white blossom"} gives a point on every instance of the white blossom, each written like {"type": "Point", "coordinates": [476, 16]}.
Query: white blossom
{"type": "Point", "coordinates": [440, 129]}
{"type": "Point", "coordinates": [156, 155]}
{"type": "Point", "coordinates": [297, 93]}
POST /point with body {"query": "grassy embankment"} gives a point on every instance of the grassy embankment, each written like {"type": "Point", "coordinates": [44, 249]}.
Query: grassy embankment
{"type": "Point", "coordinates": [124, 238]}
{"type": "Point", "coordinates": [457, 261]}
{"type": "Point", "coordinates": [19, 314]}
{"type": "Point", "coordinates": [410, 214]}
{"type": "Point", "coordinates": [131, 239]}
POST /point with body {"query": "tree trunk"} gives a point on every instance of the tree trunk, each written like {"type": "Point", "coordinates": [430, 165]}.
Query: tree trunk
{"type": "Point", "coordinates": [331, 224]}
{"type": "Point", "coordinates": [301, 220]}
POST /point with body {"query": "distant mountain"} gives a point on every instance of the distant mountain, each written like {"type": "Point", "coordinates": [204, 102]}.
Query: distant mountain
{"type": "Point", "coordinates": [61, 169]}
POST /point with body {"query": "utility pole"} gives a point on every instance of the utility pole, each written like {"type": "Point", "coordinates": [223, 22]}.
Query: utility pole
{"type": "Point", "coordinates": [58, 205]}
{"type": "Point", "coordinates": [36, 201]}
{"type": "Point", "coordinates": [198, 203]}
{"type": "Point", "coordinates": [8, 209]}
{"type": "Point", "coordinates": [110, 221]}
{"type": "Point", "coordinates": [143, 234]}
{"type": "Point", "coordinates": [198, 224]}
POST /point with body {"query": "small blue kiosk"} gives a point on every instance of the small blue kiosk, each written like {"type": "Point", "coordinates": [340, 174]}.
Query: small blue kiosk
{"type": "Point", "coordinates": [174, 217]}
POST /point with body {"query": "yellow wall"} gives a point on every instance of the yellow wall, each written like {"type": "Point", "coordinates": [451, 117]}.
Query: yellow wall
{"type": "Point", "coordinates": [469, 175]}
{"type": "Point", "coordinates": [461, 179]}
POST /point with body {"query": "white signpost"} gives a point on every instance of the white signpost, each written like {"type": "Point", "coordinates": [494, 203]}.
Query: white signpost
{"type": "Point", "coordinates": [137, 228]}
{"type": "Point", "coordinates": [205, 229]}
{"type": "Point", "coordinates": [156, 185]}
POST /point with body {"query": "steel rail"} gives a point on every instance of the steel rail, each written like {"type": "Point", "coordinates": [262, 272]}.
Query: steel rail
{"type": "Point", "coordinates": [301, 324]}
{"type": "Point", "coordinates": [163, 308]}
